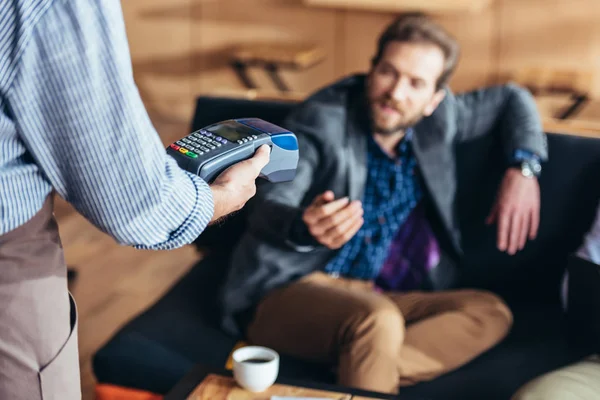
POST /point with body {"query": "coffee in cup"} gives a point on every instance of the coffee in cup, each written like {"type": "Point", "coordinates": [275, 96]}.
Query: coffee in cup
{"type": "Point", "coordinates": [255, 368]}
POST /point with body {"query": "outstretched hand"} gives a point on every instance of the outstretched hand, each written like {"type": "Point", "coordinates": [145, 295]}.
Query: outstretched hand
{"type": "Point", "coordinates": [333, 222]}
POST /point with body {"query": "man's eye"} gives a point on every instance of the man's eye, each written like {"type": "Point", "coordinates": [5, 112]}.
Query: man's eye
{"type": "Point", "coordinates": [385, 70]}
{"type": "Point", "coordinates": [418, 83]}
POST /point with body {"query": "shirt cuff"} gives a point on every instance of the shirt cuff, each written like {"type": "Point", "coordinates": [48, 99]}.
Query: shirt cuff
{"type": "Point", "coordinates": [524, 155]}
{"type": "Point", "coordinates": [196, 196]}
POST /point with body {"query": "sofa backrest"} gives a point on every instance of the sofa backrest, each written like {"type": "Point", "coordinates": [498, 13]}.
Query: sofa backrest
{"type": "Point", "coordinates": [570, 192]}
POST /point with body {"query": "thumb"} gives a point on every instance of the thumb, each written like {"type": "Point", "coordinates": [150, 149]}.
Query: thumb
{"type": "Point", "coordinates": [258, 161]}
{"type": "Point", "coordinates": [262, 156]}
{"type": "Point", "coordinates": [324, 198]}
{"type": "Point", "coordinates": [328, 196]}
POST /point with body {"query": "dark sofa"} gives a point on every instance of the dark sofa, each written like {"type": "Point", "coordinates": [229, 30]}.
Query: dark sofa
{"type": "Point", "coordinates": [156, 349]}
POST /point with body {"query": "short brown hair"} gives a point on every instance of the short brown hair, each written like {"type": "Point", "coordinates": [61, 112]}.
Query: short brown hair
{"type": "Point", "coordinates": [417, 27]}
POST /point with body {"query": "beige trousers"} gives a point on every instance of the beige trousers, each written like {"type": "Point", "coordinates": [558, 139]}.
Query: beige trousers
{"type": "Point", "coordinates": [379, 341]}
{"type": "Point", "coordinates": [39, 359]}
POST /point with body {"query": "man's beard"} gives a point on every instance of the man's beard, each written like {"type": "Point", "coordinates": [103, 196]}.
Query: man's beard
{"type": "Point", "coordinates": [400, 126]}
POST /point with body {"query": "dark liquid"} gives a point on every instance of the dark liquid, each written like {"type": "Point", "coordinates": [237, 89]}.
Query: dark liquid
{"type": "Point", "coordinates": [257, 360]}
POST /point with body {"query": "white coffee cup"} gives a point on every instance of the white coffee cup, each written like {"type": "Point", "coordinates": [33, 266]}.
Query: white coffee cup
{"type": "Point", "coordinates": [255, 368]}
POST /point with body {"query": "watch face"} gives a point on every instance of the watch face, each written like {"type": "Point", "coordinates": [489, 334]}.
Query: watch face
{"type": "Point", "coordinates": [527, 172]}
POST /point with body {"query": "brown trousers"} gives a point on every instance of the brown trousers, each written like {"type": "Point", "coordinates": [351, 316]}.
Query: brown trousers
{"type": "Point", "coordinates": [38, 326]}
{"type": "Point", "coordinates": [379, 341]}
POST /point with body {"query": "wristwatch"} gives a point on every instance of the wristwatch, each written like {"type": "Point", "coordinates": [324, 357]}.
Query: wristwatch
{"type": "Point", "coordinates": [529, 168]}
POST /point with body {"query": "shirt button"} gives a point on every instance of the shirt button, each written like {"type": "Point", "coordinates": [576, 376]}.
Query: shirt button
{"type": "Point", "coordinates": [368, 239]}
{"type": "Point", "coordinates": [381, 219]}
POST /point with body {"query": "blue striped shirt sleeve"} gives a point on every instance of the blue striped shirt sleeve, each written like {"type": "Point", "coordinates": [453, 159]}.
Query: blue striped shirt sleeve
{"type": "Point", "coordinates": [79, 113]}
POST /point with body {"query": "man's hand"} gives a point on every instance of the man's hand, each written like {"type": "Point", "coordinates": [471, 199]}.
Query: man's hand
{"type": "Point", "coordinates": [236, 185]}
{"type": "Point", "coordinates": [517, 211]}
{"type": "Point", "coordinates": [333, 222]}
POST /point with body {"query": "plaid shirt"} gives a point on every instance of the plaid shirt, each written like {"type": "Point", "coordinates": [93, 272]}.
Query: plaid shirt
{"type": "Point", "coordinates": [392, 191]}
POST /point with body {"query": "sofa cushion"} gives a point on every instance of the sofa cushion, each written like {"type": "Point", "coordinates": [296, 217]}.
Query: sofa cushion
{"type": "Point", "coordinates": [155, 350]}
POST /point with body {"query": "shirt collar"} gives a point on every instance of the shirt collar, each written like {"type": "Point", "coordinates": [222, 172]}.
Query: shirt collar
{"type": "Point", "coordinates": [401, 149]}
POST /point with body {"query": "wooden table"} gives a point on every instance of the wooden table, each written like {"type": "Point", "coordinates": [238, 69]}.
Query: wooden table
{"type": "Point", "coordinates": [203, 383]}
{"type": "Point", "coordinates": [217, 387]}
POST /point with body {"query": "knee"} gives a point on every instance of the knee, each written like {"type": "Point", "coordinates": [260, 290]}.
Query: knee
{"type": "Point", "coordinates": [545, 388]}
{"type": "Point", "coordinates": [491, 311]}
{"type": "Point", "coordinates": [379, 322]}
{"type": "Point", "coordinates": [577, 381]}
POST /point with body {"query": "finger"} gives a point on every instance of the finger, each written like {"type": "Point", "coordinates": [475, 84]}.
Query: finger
{"type": "Point", "coordinates": [323, 198]}
{"type": "Point", "coordinates": [525, 221]}
{"type": "Point", "coordinates": [493, 214]}
{"type": "Point", "coordinates": [341, 228]}
{"type": "Point", "coordinates": [535, 222]}
{"type": "Point", "coordinates": [332, 207]}
{"type": "Point", "coordinates": [503, 230]}
{"type": "Point", "coordinates": [315, 213]}
{"type": "Point", "coordinates": [341, 219]}
{"type": "Point", "coordinates": [342, 239]}
{"type": "Point", "coordinates": [514, 232]}
{"type": "Point", "coordinates": [253, 165]}
{"type": "Point", "coordinates": [261, 157]}
{"type": "Point", "coordinates": [322, 225]}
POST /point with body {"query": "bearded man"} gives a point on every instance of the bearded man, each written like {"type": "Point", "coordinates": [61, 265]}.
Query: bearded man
{"type": "Point", "coordinates": [336, 266]}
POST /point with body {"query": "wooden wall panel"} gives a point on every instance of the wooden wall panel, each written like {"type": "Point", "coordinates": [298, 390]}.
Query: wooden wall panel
{"type": "Point", "coordinates": [159, 35]}
{"type": "Point", "coordinates": [560, 34]}
{"type": "Point", "coordinates": [180, 48]}
{"type": "Point", "coordinates": [475, 32]}
{"type": "Point", "coordinates": [226, 23]}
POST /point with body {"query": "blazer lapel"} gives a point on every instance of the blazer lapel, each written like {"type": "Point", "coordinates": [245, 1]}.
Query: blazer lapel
{"type": "Point", "coordinates": [356, 155]}
{"type": "Point", "coordinates": [433, 148]}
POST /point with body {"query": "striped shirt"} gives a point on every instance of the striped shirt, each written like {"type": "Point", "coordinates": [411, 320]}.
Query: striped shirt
{"type": "Point", "coordinates": [391, 192]}
{"type": "Point", "coordinates": [72, 121]}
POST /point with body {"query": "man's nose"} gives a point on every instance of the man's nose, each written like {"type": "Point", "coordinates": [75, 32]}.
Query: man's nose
{"type": "Point", "coordinates": [400, 90]}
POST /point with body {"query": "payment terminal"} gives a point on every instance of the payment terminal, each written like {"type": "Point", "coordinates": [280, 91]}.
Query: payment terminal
{"type": "Point", "coordinates": [210, 150]}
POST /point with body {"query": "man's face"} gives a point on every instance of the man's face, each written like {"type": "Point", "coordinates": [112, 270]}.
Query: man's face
{"type": "Point", "coordinates": [402, 85]}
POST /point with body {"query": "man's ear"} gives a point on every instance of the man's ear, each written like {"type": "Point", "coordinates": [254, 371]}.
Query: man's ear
{"type": "Point", "coordinates": [434, 102]}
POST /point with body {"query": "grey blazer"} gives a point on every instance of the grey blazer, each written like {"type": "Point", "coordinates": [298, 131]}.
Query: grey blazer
{"type": "Point", "coordinates": [275, 250]}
